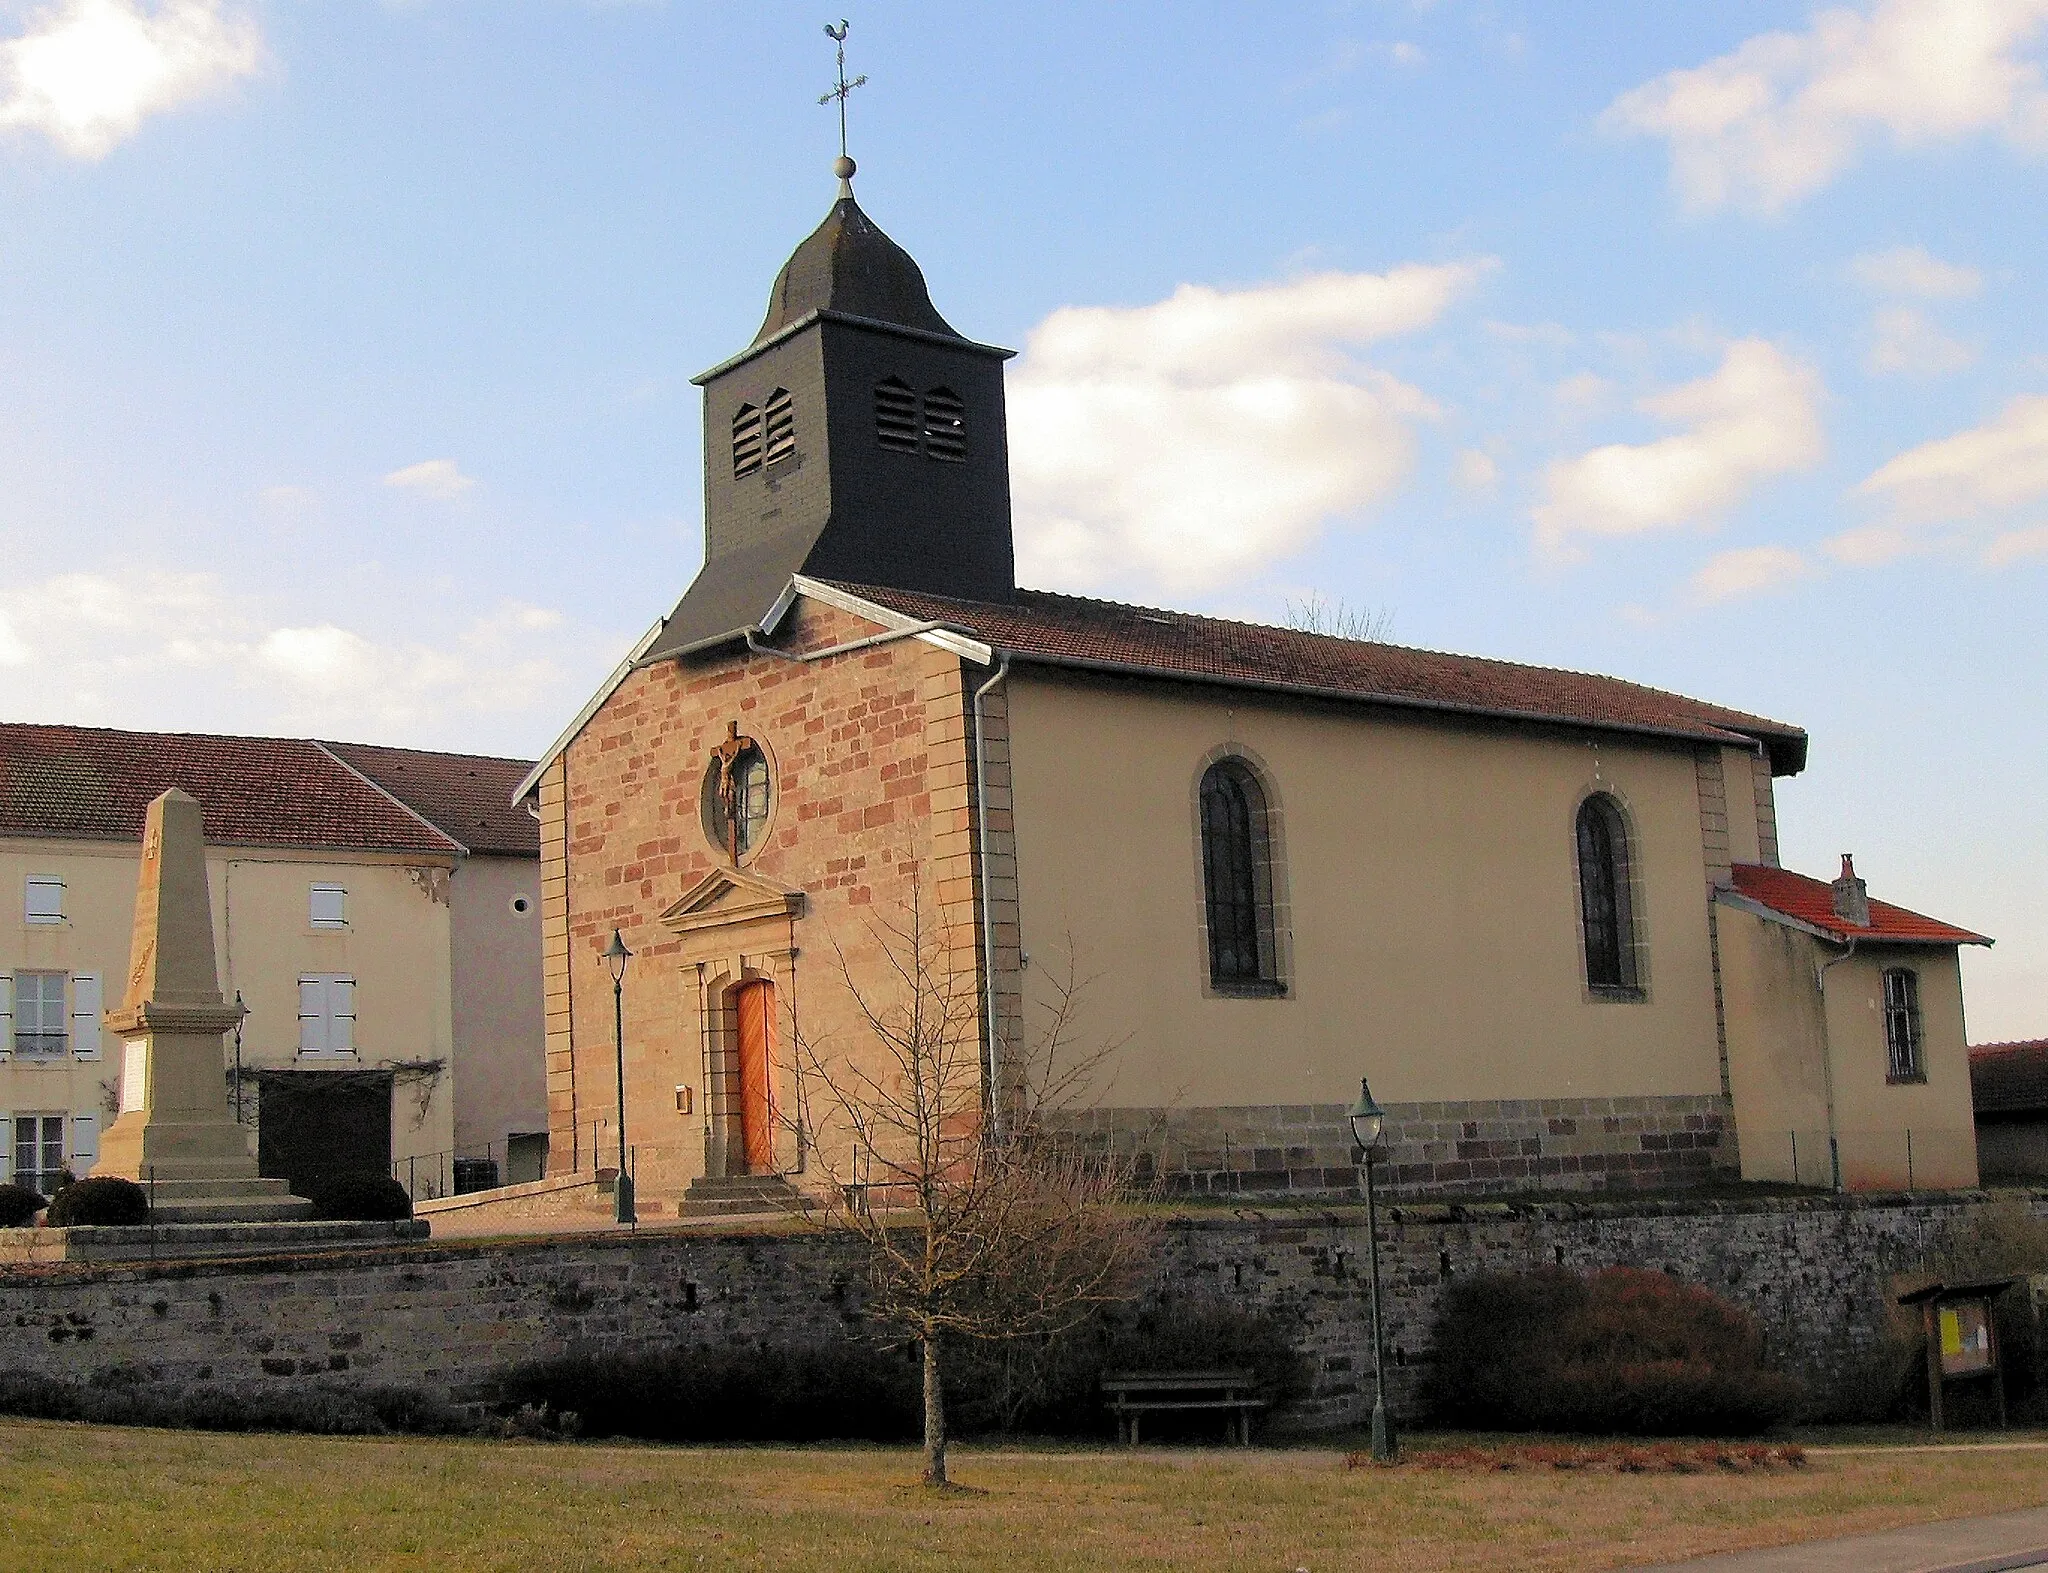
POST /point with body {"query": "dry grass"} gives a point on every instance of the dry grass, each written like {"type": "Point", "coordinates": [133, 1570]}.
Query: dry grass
{"type": "Point", "coordinates": [86, 1497]}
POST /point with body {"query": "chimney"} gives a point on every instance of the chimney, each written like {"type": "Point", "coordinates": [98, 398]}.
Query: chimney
{"type": "Point", "coordinates": [1852, 896]}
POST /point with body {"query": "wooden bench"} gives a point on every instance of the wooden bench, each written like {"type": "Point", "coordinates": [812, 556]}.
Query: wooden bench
{"type": "Point", "coordinates": [1130, 1394]}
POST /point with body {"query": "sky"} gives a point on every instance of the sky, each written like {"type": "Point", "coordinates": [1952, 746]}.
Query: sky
{"type": "Point", "coordinates": [345, 346]}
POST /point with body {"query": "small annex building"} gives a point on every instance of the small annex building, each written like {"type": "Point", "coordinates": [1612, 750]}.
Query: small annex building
{"type": "Point", "coordinates": [2009, 1088]}
{"type": "Point", "coordinates": [1541, 910]}
{"type": "Point", "coordinates": [376, 910]}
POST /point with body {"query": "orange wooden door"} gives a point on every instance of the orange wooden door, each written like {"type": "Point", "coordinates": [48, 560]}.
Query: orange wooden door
{"type": "Point", "coordinates": [755, 1003]}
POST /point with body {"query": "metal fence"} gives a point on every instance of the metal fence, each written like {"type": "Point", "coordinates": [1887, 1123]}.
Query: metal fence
{"type": "Point", "coordinates": [1897, 1158]}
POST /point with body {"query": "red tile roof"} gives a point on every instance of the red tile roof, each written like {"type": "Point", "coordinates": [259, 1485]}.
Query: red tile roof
{"type": "Point", "coordinates": [1065, 629]}
{"type": "Point", "coordinates": [1812, 902]}
{"type": "Point", "coordinates": [2009, 1078]}
{"type": "Point", "coordinates": [469, 796]}
{"type": "Point", "coordinates": [95, 784]}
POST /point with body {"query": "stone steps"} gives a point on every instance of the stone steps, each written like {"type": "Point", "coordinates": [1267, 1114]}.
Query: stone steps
{"type": "Point", "coordinates": [730, 1195]}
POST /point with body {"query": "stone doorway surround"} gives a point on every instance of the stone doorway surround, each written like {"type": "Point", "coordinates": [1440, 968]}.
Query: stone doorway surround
{"type": "Point", "coordinates": [734, 927]}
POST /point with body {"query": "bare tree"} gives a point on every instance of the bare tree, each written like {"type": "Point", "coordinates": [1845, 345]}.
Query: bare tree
{"type": "Point", "coordinates": [977, 1228]}
{"type": "Point", "coordinates": [1318, 614]}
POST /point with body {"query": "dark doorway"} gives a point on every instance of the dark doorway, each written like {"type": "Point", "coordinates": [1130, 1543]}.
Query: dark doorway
{"type": "Point", "coordinates": [313, 1126]}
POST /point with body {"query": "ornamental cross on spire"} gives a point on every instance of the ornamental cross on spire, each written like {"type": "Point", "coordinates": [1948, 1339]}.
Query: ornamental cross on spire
{"type": "Point", "coordinates": [844, 87]}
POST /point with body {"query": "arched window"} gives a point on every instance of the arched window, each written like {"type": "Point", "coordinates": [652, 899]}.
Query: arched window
{"type": "Point", "coordinates": [1605, 910]}
{"type": "Point", "coordinates": [746, 441]}
{"type": "Point", "coordinates": [896, 416]}
{"type": "Point", "coordinates": [1237, 879]}
{"type": "Point", "coordinates": [778, 421]}
{"type": "Point", "coordinates": [945, 425]}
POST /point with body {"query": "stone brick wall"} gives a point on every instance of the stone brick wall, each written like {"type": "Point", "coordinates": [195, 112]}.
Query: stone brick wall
{"type": "Point", "coordinates": [452, 1320]}
{"type": "Point", "coordinates": [1431, 1149]}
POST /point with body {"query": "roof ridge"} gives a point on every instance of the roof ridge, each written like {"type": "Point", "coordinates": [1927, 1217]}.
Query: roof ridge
{"type": "Point", "coordinates": [429, 753]}
{"type": "Point", "coordinates": [393, 797]}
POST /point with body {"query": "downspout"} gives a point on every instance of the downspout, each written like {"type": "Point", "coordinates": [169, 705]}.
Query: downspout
{"type": "Point", "coordinates": [988, 931]}
{"type": "Point", "coordinates": [1827, 1063]}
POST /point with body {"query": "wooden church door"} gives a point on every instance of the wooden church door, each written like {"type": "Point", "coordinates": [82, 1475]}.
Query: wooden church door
{"type": "Point", "coordinates": [755, 1008]}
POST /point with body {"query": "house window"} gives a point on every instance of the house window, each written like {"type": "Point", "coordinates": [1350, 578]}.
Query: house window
{"type": "Point", "coordinates": [39, 1022]}
{"type": "Point", "coordinates": [329, 905]}
{"type": "Point", "coordinates": [778, 424]}
{"type": "Point", "coordinates": [45, 899]}
{"type": "Point", "coordinates": [895, 416]}
{"type": "Point", "coordinates": [945, 425]}
{"type": "Point", "coordinates": [1237, 881]}
{"type": "Point", "coordinates": [327, 1016]}
{"type": "Point", "coordinates": [1902, 1025]}
{"type": "Point", "coordinates": [38, 1151]}
{"type": "Point", "coordinates": [746, 441]}
{"type": "Point", "coordinates": [1606, 910]}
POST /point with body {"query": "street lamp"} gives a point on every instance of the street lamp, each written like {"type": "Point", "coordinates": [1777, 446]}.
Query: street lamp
{"type": "Point", "coordinates": [1367, 1117]}
{"type": "Point", "coordinates": [615, 957]}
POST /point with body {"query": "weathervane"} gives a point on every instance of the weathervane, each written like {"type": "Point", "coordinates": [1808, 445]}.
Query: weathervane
{"type": "Point", "coordinates": [844, 168]}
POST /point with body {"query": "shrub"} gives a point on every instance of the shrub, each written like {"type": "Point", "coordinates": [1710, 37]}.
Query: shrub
{"type": "Point", "coordinates": [105, 1199]}
{"type": "Point", "coordinates": [804, 1393]}
{"type": "Point", "coordinates": [1622, 1351]}
{"type": "Point", "coordinates": [360, 1197]}
{"type": "Point", "coordinates": [120, 1398]}
{"type": "Point", "coordinates": [19, 1206]}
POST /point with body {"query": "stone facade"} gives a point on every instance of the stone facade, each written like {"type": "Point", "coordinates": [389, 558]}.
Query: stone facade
{"type": "Point", "coordinates": [871, 809]}
{"type": "Point", "coordinates": [1445, 1149]}
{"type": "Point", "coordinates": [452, 1320]}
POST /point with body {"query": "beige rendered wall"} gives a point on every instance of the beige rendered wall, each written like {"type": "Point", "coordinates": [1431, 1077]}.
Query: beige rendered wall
{"type": "Point", "coordinates": [1430, 895]}
{"type": "Point", "coordinates": [495, 967]}
{"type": "Point", "coordinates": [396, 947]}
{"type": "Point", "coordinates": [1778, 1034]}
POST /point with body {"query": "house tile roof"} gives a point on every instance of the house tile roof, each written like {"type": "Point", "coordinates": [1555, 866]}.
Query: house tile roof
{"type": "Point", "coordinates": [1812, 902]}
{"type": "Point", "coordinates": [468, 796]}
{"type": "Point", "coordinates": [2009, 1078]}
{"type": "Point", "coordinates": [1065, 629]}
{"type": "Point", "coordinates": [95, 784]}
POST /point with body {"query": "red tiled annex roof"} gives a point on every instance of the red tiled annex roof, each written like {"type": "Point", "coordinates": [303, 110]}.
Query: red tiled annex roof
{"type": "Point", "coordinates": [95, 784]}
{"type": "Point", "coordinates": [1812, 902]}
{"type": "Point", "coordinates": [1071, 630]}
{"type": "Point", "coordinates": [2009, 1078]}
{"type": "Point", "coordinates": [469, 796]}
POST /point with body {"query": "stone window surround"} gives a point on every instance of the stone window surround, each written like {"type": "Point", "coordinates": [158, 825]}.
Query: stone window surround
{"type": "Point", "coordinates": [709, 787]}
{"type": "Point", "coordinates": [1638, 895]}
{"type": "Point", "coordinates": [1275, 844]}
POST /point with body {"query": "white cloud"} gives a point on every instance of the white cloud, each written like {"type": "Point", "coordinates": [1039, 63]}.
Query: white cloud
{"type": "Point", "coordinates": [1476, 470]}
{"type": "Point", "coordinates": [1754, 417]}
{"type": "Point", "coordinates": [1998, 465]}
{"type": "Point", "coordinates": [1783, 114]}
{"type": "Point", "coordinates": [440, 479]}
{"type": "Point", "coordinates": [1911, 270]}
{"type": "Point", "coordinates": [1582, 392]}
{"type": "Point", "coordinates": [1747, 571]}
{"type": "Point", "coordinates": [1902, 340]}
{"type": "Point", "coordinates": [1201, 439]}
{"type": "Point", "coordinates": [1956, 490]}
{"type": "Point", "coordinates": [86, 73]}
{"type": "Point", "coordinates": [2012, 547]}
{"type": "Point", "coordinates": [184, 650]}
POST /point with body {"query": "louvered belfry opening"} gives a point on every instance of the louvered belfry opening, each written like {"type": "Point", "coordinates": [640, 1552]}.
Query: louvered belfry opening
{"type": "Point", "coordinates": [779, 423]}
{"type": "Point", "coordinates": [746, 441]}
{"type": "Point", "coordinates": [896, 416]}
{"type": "Point", "coordinates": [945, 425]}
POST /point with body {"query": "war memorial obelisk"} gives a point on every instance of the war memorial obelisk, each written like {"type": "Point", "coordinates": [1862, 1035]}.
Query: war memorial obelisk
{"type": "Point", "coordinates": [175, 1135]}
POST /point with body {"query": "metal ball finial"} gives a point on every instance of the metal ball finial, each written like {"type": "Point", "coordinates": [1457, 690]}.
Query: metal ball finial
{"type": "Point", "coordinates": [843, 167]}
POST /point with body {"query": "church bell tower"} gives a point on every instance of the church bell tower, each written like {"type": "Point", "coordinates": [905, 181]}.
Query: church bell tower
{"type": "Point", "coordinates": [858, 438]}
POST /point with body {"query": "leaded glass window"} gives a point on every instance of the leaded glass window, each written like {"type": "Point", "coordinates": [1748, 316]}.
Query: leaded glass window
{"type": "Point", "coordinates": [1605, 909]}
{"type": "Point", "coordinates": [1237, 881]}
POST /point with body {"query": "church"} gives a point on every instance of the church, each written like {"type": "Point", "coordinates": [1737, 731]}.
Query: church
{"type": "Point", "coordinates": [1541, 911]}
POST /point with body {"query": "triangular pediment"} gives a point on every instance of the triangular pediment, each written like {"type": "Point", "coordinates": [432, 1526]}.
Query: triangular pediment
{"type": "Point", "coordinates": [731, 895]}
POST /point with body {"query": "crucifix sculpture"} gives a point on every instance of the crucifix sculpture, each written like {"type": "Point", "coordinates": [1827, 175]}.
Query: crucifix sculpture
{"type": "Point", "coordinates": [729, 753]}
{"type": "Point", "coordinates": [840, 92]}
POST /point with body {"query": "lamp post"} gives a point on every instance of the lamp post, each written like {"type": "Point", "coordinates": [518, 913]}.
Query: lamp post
{"type": "Point", "coordinates": [615, 957]}
{"type": "Point", "coordinates": [1367, 1117]}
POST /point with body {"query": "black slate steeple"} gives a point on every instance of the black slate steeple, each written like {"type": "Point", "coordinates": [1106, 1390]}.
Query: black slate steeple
{"type": "Point", "coordinates": [858, 438]}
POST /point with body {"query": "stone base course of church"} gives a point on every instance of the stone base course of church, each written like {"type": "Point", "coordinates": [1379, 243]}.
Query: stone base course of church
{"type": "Point", "coordinates": [450, 1321]}
{"type": "Point", "coordinates": [1429, 1149]}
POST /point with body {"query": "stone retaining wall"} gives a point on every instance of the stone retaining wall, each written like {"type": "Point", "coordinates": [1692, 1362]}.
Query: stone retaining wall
{"type": "Point", "coordinates": [452, 1319]}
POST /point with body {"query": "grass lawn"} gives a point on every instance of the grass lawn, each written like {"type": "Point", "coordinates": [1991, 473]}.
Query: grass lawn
{"type": "Point", "coordinates": [98, 1498]}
